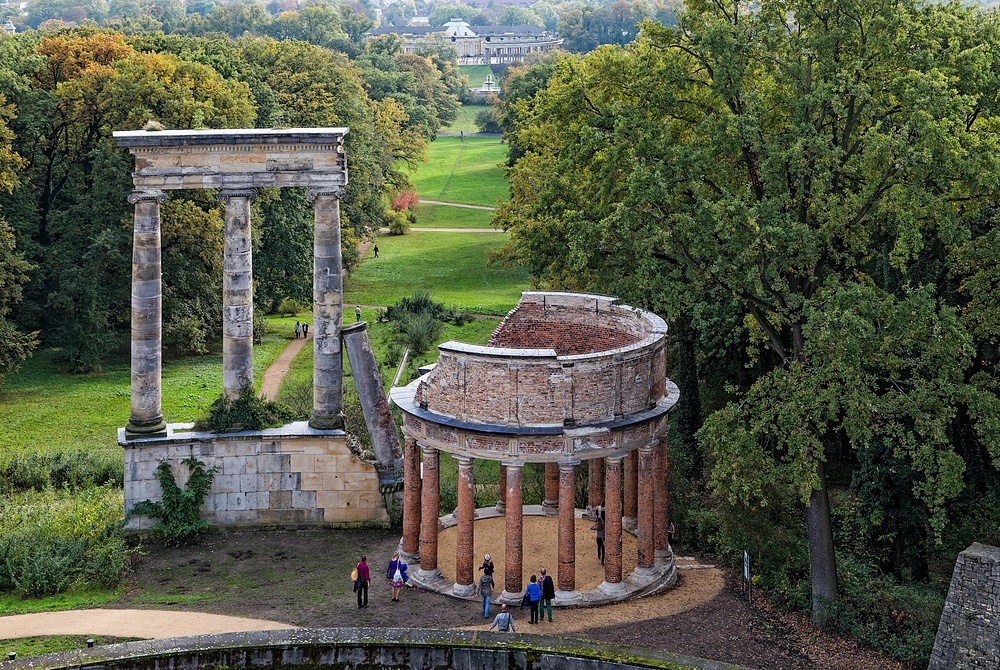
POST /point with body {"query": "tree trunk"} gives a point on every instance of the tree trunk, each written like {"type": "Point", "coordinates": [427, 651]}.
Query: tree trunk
{"type": "Point", "coordinates": [825, 587]}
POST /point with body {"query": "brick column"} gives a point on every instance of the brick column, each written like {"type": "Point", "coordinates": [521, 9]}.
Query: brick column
{"type": "Point", "coordinates": [328, 375]}
{"type": "Point", "coordinates": [514, 517]}
{"type": "Point", "coordinates": [502, 502]}
{"type": "Point", "coordinates": [661, 541]}
{"type": "Point", "coordinates": [430, 501]}
{"type": "Point", "coordinates": [551, 503]}
{"type": "Point", "coordinates": [464, 546]}
{"type": "Point", "coordinates": [630, 510]}
{"type": "Point", "coordinates": [613, 520]}
{"type": "Point", "coordinates": [595, 483]}
{"type": "Point", "coordinates": [646, 503]}
{"type": "Point", "coordinates": [411, 498]}
{"type": "Point", "coordinates": [566, 578]}
{"type": "Point", "coordinates": [237, 292]}
{"type": "Point", "coordinates": [146, 404]}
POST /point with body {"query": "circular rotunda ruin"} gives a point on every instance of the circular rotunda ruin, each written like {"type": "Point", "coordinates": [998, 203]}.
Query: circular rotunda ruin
{"type": "Point", "coordinates": [566, 379]}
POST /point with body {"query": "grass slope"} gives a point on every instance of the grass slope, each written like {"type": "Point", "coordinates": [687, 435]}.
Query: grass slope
{"type": "Point", "coordinates": [476, 73]}
{"type": "Point", "coordinates": [466, 172]}
{"type": "Point", "coordinates": [466, 120]}
{"type": "Point", "coordinates": [451, 266]}
{"type": "Point", "coordinates": [443, 216]}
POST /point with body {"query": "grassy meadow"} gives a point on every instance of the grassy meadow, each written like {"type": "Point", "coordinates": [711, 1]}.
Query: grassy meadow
{"type": "Point", "coordinates": [445, 216]}
{"type": "Point", "coordinates": [476, 73]}
{"type": "Point", "coordinates": [466, 172]}
{"type": "Point", "coordinates": [466, 121]}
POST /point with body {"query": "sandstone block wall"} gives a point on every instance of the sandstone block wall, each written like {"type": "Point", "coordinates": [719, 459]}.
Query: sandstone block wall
{"type": "Point", "coordinates": [969, 633]}
{"type": "Point", "coordinates": [292, 475]}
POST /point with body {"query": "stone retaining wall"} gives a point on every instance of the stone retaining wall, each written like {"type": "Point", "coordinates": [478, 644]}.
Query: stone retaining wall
{"type": "Point", "coordinates": [289, 475]}
{"type": "Point", "coordinates": [969, 633]}
{"type": "Point", "coordinates": [385, 648]}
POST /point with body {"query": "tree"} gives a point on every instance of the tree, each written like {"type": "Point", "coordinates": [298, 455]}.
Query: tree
{"type": "Point", "coordinates": [442, 14]}
{"type": "Point", "coordinates": [802, 174]}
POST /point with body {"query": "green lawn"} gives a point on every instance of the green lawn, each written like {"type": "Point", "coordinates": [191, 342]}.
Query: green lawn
{"type": "Point", "coordinates": [45, 409]}
{"type": "Point", "coordinates": [443, 216]}
{"type": "Point", "coordinates": [476, 73]}
{"type": "Point", "coordinates": [451, 266]}
{"type": "Point", "coordinates": [466, 172]}
{"type": "Point", "coordinates": [466, 120]}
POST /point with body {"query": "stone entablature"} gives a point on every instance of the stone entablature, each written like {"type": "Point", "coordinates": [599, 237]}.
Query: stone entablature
{"type": "Point", "coordinates": [237, 159]}
{"type": "Point", "coordinates": [287, 476]}
{"type": "Point", "coordinates": [538, 388]}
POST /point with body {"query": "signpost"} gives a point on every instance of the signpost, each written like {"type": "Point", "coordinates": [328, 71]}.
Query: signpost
{"type": "Point", "coordinates": [746, 576]}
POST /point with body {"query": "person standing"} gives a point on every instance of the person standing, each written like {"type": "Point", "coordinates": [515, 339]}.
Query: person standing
{"type": "Point", "coordinates": [305, 329]}
{"type": "Point", "coordinates": [298, 329]}
{"type": "Point", "coordinates": [534, 593]}
{"type": "Point", "coordinates": [364, 577]}
{"type": "Point", "coordinates": [357, 313]}
{"type": "Point", "coordinates": [504, 622]}
{"type": "Point", "coordinates": [548, 593]}
{"type": "Point", "coordinates": [375, 249]}
{"type": "Point", "coordinates": [599, 527]}
{"type": "Point", "coordinates": [671, 533]}
{"type": "Point", "coordinates": [485, 589]}
{"type": "Point", "coordinates": [396, 574]}
{"type": "Point", "coordinates": [487, 566]}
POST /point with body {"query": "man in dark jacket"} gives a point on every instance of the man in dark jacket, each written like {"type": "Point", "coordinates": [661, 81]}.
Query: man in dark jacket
{"type": "Point", "coordinates": [548, 593]}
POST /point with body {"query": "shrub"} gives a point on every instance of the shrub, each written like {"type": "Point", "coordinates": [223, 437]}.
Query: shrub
{"type": "Point", "coordinates": [70, 469]}
{"type": "Point", "coordinates": [177, 517]}
{"type": "Point", "coordinates": [419, 331]}
{"type": "Point", "coordinates": [486, 122]}
{"type": "Point", "coordinates": [399, 223]}
{"type": "Point", "coordinates": [245, 412]}
{"type": "Point", "coordinates": [404, 200]}
{"type": "Point", "coordinates": [289, 307]}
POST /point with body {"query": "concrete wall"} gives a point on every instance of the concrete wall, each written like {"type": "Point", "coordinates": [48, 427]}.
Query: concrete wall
{"type": "Point", "coordinates": [386, 648]}
{"type": "Point", "coordinates": [969, 633]}
{"type": "Point", "coordinates": [289, 475]}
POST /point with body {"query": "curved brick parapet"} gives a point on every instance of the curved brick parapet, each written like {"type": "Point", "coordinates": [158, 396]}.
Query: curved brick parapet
{"type": "Point", "coordinates": [347, 648]}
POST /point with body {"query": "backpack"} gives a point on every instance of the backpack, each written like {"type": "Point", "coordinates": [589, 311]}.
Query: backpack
{"type": "Point", "coordinates": [354, 575]}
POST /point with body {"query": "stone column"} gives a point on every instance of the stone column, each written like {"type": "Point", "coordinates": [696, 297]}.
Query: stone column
{"type": "Point", "coordinates": [646, 502]}
{"type": "Point", "coordinates": [613, 520]}
{"type": "Point", "coordinates": [514, 517]}
{"type": "Point", "coordinates": [566, 578]}
{"type": "Point", "coordinates": [502, 502]}
{"type": "Point", "coordinates": [464, 544]}
{"type": "Point", "coordinates": [411, 498]}
{"type": "Point", "coordinates": [661, 541]}
{"type": "Point", "coordinates": [429, 503]}
{"type": "Point", "coordinates": [237, 292]}
{"type": "Point", "coordinates": [146, 410]}
{"type": "Point", "coordinates": [631, 491]}
{"type": "Point", "coordinates": [551, 503]}
{"type": "Point", "coordinates": [328, 375]}
{"type": "Point", "coordinates": [595, 483]}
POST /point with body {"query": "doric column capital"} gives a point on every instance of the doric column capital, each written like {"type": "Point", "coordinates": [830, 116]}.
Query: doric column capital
{"type": "Point", "coordinates": [568, 466]}
{"type": "Point", "coordinates": [325, 192]}
{"type": "Point", "coordinates": [225, 194]}
{"type": "Point", "coordinates": [464, 461]}
{"type": "Point", "coordinates": [137, 196]}
{"type": "Point", "coordinates": [614, 460]}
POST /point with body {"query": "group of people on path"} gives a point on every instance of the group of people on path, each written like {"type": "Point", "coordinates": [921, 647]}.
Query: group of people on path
{"type": "Point", "coordinates": [538, 597]}
{"type": "Point", "coordinates": [395, 572]}
{"type": "Point", "coordinates": [301, 330]}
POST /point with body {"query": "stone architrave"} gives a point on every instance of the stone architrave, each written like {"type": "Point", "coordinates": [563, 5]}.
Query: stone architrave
{"type": "Point", "coordinates": [465, 542]}
{"type": "Point", "coordinates": [146, 416]}
{"type": "Point", "coordinates": [631, 502]}
{"type": "Point", "coordinates": [328, 381]}
{"type": "Point", "coordinates": [237, 293]}
{"type": "Point", "coordinates": [566, 575]}
{"type": "Point", "coordinates": [411, 498]}
{"type": "Point", "coordinates": [513, 561]}
{"type": "Point", "coordinates": [613, 521]}
{"type": "Point", "coordinates": [646, 551]}
{"type": "Point", "coordinates": [430, 504]}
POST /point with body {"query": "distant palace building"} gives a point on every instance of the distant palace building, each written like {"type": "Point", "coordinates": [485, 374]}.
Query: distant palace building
{"type": "Point", "coordinates": [484, 45]}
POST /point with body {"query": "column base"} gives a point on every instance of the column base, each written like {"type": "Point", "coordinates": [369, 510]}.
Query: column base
{"type": "Point", "coordinates": [154, 428]}
{"type": "Point", "coordinates": [550, 507]}
{"type": "Point", "coordinates": [663, 557]}
{"type": "Point", "coordinates": [613, 589]}
{"type": "Point", "coordinates": [569, 598]}
{"type": "Point", "coordinates": [463, 590]}
{"type": "Point", "coordinates": [327, 422]}
{"type": "Point", "coordinates": [630, 522]}
{"type": "Point", "coordinates": [501, 507]}
{"type": "Point", "coordinates": [511, 599]}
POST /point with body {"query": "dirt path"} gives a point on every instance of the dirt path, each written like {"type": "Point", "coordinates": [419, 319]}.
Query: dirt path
{"type": "Point", "coordinates": [274, 374]}
{"type": "Point", "coordinates": [455, 204]}
{"type": "Point", "coordinates": [455, 230]}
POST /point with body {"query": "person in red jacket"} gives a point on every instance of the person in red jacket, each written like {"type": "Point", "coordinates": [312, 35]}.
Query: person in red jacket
{"type": "Point", "coordinates": [363, 578]}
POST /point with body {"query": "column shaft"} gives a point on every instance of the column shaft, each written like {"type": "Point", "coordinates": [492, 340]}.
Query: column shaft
{"type": "Point", "coordinates": [631, 490]}
{"type": "Point", "coordinates": [146, 405]}
{"type": "Point", "coordinates": [464, 547]}
{"type": "Point", "coordinates": [514, 516]}
{"type": "Point", "coordinates": [429, 504]}
{"type": "Point", "coordinates": [502, 502]}
{"type": "Point", "coordinates": [613, 521]}
{"type": "Point", "coordinates": [646, 503]}
{"type": "Point", "coordinates": [660, 512]}
{"type": "Point", "coordinates": [237, 293]}
{"type": "Point", "coordinates": [411, 497]}
{"type": "Point", "coordinates": [566, 577]}
{"type": "Point", "coordinates": [551, 502]}
{"type": "Point", "coordinates": [595, 482]}
{"type": "Point", "coordinates": [328, 392]}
